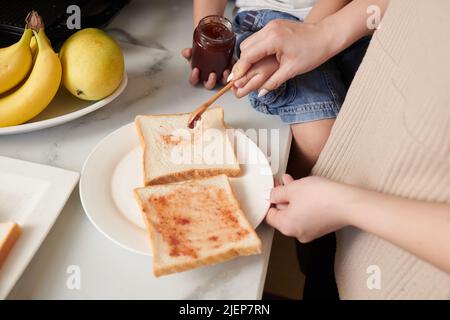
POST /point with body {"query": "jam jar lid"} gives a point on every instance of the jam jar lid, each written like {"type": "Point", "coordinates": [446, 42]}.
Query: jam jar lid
{"type": "Point", "coordinates": [215, 30]}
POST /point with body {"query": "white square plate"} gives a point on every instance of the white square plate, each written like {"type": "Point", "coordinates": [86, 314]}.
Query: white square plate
{"type": "Point", "coordinates": [32, 195]}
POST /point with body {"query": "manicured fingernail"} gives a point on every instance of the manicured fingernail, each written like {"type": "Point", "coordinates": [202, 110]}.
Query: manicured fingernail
{"type": "Point", "coordinates": [230, 77]}
{"type": "Point", "coordinates": [262, 93]}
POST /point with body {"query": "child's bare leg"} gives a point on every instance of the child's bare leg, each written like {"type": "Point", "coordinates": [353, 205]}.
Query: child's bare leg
{"type": "Point", "coordinates": [309, 140]}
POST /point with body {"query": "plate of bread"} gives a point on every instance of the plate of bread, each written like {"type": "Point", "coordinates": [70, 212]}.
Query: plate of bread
{"type": "Point", "coordinates": [189, 197]}
{"type": "Point", "coordinates": [31, 197]}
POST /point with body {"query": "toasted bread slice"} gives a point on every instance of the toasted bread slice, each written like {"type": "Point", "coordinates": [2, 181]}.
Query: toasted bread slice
{"type": "Point", "coordinates": [195, 223]}
{"type": "Point", "coordinates": [173, 152]}
{"type": "Point", "coordinates": [9, 232]}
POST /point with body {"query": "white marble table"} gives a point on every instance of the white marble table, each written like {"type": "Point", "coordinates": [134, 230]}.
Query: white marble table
{"type": "Point", "coordinates": [107, 270]}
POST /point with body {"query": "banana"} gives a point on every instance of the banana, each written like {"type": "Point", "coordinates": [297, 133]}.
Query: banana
{"type": "Point", "coordinates": [15, 62]}
{"type": "Point", "coordinates": [41, 86]}
{"type": "Point", "coordinates": [33, 46]}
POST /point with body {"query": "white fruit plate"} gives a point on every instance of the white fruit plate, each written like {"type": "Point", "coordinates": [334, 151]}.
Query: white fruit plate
{"type": "Point", "coordinates": [64, 108]}
{"type": "Point", "coordinates": [114, 169]}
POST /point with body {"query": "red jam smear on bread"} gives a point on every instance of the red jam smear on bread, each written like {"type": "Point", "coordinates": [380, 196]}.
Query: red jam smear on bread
{"type": "Point", "coordinates": [195, 217]}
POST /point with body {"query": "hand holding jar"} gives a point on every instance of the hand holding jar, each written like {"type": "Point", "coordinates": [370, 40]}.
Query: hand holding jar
{"type": "Point", "coordinates": [212, 51]}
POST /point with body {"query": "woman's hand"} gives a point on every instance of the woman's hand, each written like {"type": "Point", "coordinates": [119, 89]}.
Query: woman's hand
{"type": "Point", "coordinates": [298, 48]}
{"type": "Point", "coordinates": [311, 207]}
{"type": "Point", "coordinates": [306, 208]}
{"type": "Point", "coordinates": [301, 47]}
{"type": "Point", "coordinates": [194, 77]}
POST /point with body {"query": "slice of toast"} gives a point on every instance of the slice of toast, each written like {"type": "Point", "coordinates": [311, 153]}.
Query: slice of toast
{"type": "Point", "coordinates": [195, 223]}
{"type": "Point", "coordinates": [173, 152]}
{"type": "Point", "coordinates": [9, 232]}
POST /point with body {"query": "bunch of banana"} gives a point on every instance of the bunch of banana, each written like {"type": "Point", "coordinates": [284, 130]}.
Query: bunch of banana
{"type": "Point", "coordinates": [34, 93]}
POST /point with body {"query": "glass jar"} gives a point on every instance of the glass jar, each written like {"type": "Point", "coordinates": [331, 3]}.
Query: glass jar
{"type": "Point", "coordinates": [213, 46]}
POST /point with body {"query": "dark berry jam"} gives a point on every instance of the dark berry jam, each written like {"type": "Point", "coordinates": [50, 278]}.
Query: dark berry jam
{"type": "Point", "coordinates": [213, 46]}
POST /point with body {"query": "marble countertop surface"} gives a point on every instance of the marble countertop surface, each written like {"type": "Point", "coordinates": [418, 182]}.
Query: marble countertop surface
{"type": "Point", "coordinates": [157, 84]}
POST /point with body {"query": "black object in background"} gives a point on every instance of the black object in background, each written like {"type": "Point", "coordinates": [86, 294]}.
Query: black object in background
{"type": "Point", "coordinates": [94, 13]}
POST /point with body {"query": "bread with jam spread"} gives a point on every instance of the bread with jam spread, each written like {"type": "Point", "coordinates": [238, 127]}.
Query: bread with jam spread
{"type": "Point", "coordinates": [173, 152]}
{"type": "Point", "coordinates": [195, 223]}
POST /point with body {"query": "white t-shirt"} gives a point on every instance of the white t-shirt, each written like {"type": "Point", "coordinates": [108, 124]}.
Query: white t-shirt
{"type": "Point", "coordinates": [297, 8]}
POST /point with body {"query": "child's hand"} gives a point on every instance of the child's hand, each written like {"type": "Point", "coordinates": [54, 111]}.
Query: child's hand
{"type": "Point", "coordinates": [256, 76]}
{"type": "Point", "coordinates": [194, 77]}
{"type": "Point", "coordinates": [306, 208]}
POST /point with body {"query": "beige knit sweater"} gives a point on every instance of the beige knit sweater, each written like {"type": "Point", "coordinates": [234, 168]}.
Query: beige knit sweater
{"type": "Point", "coordinates": [393, 136]}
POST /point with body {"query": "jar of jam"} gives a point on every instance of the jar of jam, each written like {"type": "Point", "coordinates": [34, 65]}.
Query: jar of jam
{"type": "Point", "coordinates": [213, 46]}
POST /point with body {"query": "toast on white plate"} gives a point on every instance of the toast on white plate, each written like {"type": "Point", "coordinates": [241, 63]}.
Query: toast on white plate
{"type": "Point", "coordinates": [195, 223]}
{"type": "Point", "coordinates": [9, 232]}
{"type": "Point", "coordinates": [173, 152]}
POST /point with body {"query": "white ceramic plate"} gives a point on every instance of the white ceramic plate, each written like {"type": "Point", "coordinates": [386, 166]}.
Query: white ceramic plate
{"type": "Point", "coordinates": [114, 169]}
{"type": "Point", "coordinates": [32, 195]}
{"type": "Point", "coordinates": [64, 108]}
